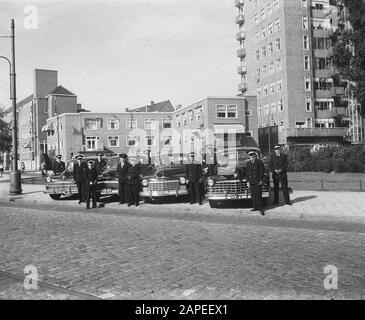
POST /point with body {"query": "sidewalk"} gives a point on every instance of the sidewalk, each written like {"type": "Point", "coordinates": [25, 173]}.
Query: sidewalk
{"type": "Point", "coordinates": [306, 204]}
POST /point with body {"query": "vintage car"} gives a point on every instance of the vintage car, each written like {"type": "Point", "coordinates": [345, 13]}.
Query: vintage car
{"type": "Point", "coordinates": [164, 178]}
{"type": "Point", "coordinates": [63, 185]}
{"type": "Point", "coordinates": [229, 181]}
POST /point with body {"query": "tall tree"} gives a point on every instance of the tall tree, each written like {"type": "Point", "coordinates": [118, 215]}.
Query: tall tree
{"type": "Point", "coordinates": [5, 134]}
{"type": "Point", "coordinates": [349, 49]}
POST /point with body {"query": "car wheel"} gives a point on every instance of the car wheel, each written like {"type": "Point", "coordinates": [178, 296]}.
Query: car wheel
{"type": "Point", "coordinates": [213, 203]}
{"type": "Point", "coordinates": [55, 196]}
{"type": "Point", "coordinates": [147, 200]}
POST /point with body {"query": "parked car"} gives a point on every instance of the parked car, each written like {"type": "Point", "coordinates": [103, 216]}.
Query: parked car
{"type": "Point", "coordinates": [229, 181]}
{"type": "Point", "coordinates": [63, 185]}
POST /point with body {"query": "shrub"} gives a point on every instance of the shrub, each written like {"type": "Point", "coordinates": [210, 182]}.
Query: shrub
{"type": "Point", "coordinates": [309, 165]}
{"type": "Point", "coordinates": [325, 165]}
{"type": "Point", "coordinates": [339, 165]}
{"type": "Point", "coordinates": [353, 166]}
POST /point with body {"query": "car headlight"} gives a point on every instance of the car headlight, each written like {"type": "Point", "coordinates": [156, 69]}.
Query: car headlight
{"type": "Point", "coordinates": [210, 182]}
{"type": "Point", "coordinates": [145, 182]}
{"type": "Point", "coordinates": [182, 180]}
{"type": "Point", "coordinates": [49, 179]}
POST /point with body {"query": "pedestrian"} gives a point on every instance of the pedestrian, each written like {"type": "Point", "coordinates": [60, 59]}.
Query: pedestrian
{"type": "Point", "coordinates": [255, 176]}
{"type": "Point", "coordinates": [194, 177]}
{"type": "Point", "coordinates": [133, 182]}
{"type": "Point", "coordinates": [1, 169]}
{"type": "Point", "coordinates": [59, 166]}
{"type": "Point", "coordinates": [79, 177]}
{"type": "Point", "coordinates": [122, 170]}
{"type": "Point", "coordinates": [278, 165]}
{"type": "Point", "coordinates": [44, 168]}
{"type": "Point", "coordinates": [100, 163]}
{"type": "Point", "coordinates": [23, 166]}
{"type": "Point", "coordinates": [91, 181]}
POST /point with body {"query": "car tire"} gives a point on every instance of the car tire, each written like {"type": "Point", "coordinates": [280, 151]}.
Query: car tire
{"type": "Point", "coordinates": [213, 203]}
{"type": "Point", "coordinates": [55, 196]}
{"type": "Point", "coordinates": [147, 200]}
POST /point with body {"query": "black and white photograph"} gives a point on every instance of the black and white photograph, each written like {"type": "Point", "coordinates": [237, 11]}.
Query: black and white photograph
{"type": "Point", "coordinates": [205, 152]}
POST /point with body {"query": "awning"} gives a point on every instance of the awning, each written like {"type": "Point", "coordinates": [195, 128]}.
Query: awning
{"type": "Point", "coordinates": [229, 128]}
{"type": "Point", "coordinates": [27, 145]}
{"type": "Point", "coordinates": [47, 127]}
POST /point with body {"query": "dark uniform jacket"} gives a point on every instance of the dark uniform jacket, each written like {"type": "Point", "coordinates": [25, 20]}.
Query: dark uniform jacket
{"type": "Point", "coordinates": [100, 165]}
{"type": "Point", "coordinates": [133, 174]}
{"type": "Point", "coordinates": [255, 171]}
{"type": "Point", "coordinates": [78, 172]}
{"type": "Point", "coordinates": [279, 162]}
{"type": "Point", "coordinates": [59, 167]}
{"type": "Point", "coordinates": [91, 175]}
{"type": "Point", "coordinates": [122, 172]}
{"type": "Point", "coordinates": [194, 172]}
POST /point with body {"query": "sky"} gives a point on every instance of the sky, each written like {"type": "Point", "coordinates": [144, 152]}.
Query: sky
{"type": "Point", "coordinates": [115, 54]}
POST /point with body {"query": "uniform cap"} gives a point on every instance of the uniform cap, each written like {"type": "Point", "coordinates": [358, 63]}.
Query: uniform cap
{"type": "Point", "coordinates": [277, 147]}
{"type": "Point", "coordinates": [90, 161]}
{"type": "Point", "coordinates": [250, 152]}
{"type": "Point", "coordinates": [58, 156]}
{"type": "Point", "coordinates": [123, 155]}
{"type": "Point", "coordinates": [100, 154]}
{"type": "Point", "coordinates": [79, 156]}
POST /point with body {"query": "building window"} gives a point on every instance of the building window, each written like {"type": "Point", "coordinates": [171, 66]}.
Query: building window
{"type": "Point", "coordinates": [167, 140]}
{"type": "Point", "coordinates": [149, 124]}
{"type": "Point", "coordinates": [191, 116]}
{"type": "Point", "coordinates": [306, 63]}
{"type": "Point", "coordinates": [258, 74]}
{"type": "Point", "coordinates": [258, 91]}
{"type": "Point", "coordinates": [263, 51]}
{"type": "Point", "coordinates": [323, 83]}
{"type": "Point", "coordinates": [91, 143]}
{"type": "Point", "coordinates": [91, 124]}
{"type": "Point", "coordinates": [271, 48]}
{"type": "Point", "coordinates": [131, 141]}
{"type": "Point", "coordinates": [248, 113]}
{"type": "Point", "coordinates": [131, 123]}
{"type": "Point", "coordinates": [278, 64]}
{"type": "Point", "coordinates": [271, 67]}
{"type": "Point", "coordinates": [272, 107]}
{"type": "Point", "coordinates": [264, 71]}
{"type": "Point", "coordinates": [306, 42]}
{"type": "Point", "coordinates": [226, 111]}
{"type": "Point", "coordinates": [300, 124]}
{"type": "Point", "coordinates": [263, 33]}
{"type": "Point", "coordinates": [113, 124]}
{"type": "Point", "coordinates": [323, 104]}
{"type": "Point", "coordinates": [269, 9]}
{"type": "Point", "coordinates": [281, 126]}
{"type": "Point", "coordinates": [276, 4]}
{"type": "Point", "coordinates": [279, 85]}
{"type": "Point", "coordinates": [166, 123]}
{"type": "Point", "coordinates": [323, 63]}
{"type": "Point", "coordinates": [257, 18]}
{"type": "Point", "coordinates": [272, 87]}
{"type": "Point", "coordinates": [269, 29]}
{"type": "Point", "coordinates": [277, 44]}
{"type": "Point", "coordinates": [257, 37]}
{"type": "Point", "coordinates": [304, 4]}
{"type": "Point", "coordinates": [263, 14]}
{"type": "Point", "coordinates": [266, 89]}
{"type": "Point", "coordinates": [307, 84]}
{"type": "Point", "coordinates": [266, 109]}
{"type": "Point", "coordinates": [113, 141]}
{"type": "Point", "coordinates": [308, 104]}
{"type": "Point", "coordinates": [280, 105]}
{"type": "Point", "coordinates": [259, 111]}
{"type": "Point", "coordinates": [305, 22]}
{"type": "Point", "coordinates": [183, 116]}
{"type": "Point", "coordinates": [257, 55]}
{"type": "Point", "coordinates": [151, 141]}
{"type": "Point", "coordinates": [277, 24]}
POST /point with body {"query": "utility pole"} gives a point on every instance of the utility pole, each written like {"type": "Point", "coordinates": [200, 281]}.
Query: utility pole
{"type": "Point", "coordinates": [15, 175]}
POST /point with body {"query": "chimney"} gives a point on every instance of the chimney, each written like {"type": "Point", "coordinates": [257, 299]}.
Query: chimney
{"type": "Point", "coordinates": [178, 106]}
{"type": "Point", "coordinates": [152, 103]}
{"type": "Point", "coordinates": [126, 109]}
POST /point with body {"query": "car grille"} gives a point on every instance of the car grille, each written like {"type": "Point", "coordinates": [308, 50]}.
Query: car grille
{"type": "Point", "coordinates": [229, 187]}
{"type": "Point", "coordinates": [163, 185]}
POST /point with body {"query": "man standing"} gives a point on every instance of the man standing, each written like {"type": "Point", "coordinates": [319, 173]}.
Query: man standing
{"type": "Point", "coordinates": [133, 182]}
{"type": "Point", "coordinates": [59, 166]}
{"type": "Point", "coordinates": [279, 166]}
{"type": "Point", "coordinates": [79, 177]}
{"type": "Point", "coordinates": [91, 180]}
{"type": "Point", "coordinates": [255, 176]}
{"type": "Point", "coordinates": [100, 163]}
{"type": "Point", "coordinates": [122, 170]}
{"type": "Point", "coordinates": [194, 175]}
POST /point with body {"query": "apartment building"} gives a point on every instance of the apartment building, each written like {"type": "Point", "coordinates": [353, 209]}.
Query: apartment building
{"type": "Point", "coordinates": [156, 128]}
{"type": "Point", "coordinates": [286, 61]}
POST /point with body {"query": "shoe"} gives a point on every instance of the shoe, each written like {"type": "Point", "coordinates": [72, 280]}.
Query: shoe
{"type": "Point", "coordinates": [262, 212]}
{"type": "Point", "coordinates": [79, 202]}
{"type": "Point", "coordinates": [289, 203]}
{"type": "Point", "coordinates": [254, 209]}
{"type": "Point", "coordinates": [200, 203]}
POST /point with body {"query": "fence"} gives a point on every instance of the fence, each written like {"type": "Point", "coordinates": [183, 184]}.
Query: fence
{"type": "Point", "coordinates": [328, 185]}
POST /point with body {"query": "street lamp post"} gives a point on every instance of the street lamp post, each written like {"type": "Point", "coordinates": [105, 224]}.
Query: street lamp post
{"type": "Point", "coordinates": [15, 175]}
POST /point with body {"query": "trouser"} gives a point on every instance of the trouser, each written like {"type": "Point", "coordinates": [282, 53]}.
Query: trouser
{"type": "Point", "coordinates": [195, 192]}
{"type": "Point", "coordinates": [284, 188]}
{"type": "Point", "coordinates": [90, 191]}
{"type": "Point", "coordinates": [133, 194]}
{"type": "Point", "coordinates": [122, 192]}
{"type": "Point", "coordinates": [81, 190]}
{"type": "Point", "coordinates": [256, 196]}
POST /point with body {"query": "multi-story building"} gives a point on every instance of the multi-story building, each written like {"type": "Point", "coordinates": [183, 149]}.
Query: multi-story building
{"type": "Point", "coordinates": [286, 61]}
{"type": "Point", "coordinates": [156, 128]}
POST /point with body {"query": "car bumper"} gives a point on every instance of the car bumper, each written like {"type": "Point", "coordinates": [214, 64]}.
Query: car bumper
{"type": "Point", "coordinates": [227, 196]}
{"type": "Point", "coordinates": [164, 193]}
{"type": "Point", "coordinates": [63, 190]}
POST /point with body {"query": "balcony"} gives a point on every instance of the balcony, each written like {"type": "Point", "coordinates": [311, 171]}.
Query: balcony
{"type": "Point", "coordinates": [322, 33]}
{"type": "Point", "coordinates": [323, 52]}
{"type": "Point", "coordinates": [324, 73]}
{"type": "Point", "coordinates": [242, 70]}
{"type": "Point", "coordinates": [242, 87]}
{"type": "Point", "coordinates": [241, 35]}
{"type": "Point", "coordinates": [334, 91]}
{"type": "Point", "coordinates": [334, 112]}
{"type": "Point", "coordinates": [241, 53]}
{"type": "Point", "coordinates": [240, 19]}
{"type": "Point", "coordinates": [317, 132]}
{"type": "Point", "coordinates": [239, 3]}
{"type": "Point", "coordinates": [321, 14]}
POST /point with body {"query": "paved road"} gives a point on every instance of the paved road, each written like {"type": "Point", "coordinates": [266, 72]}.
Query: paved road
{"type": "Point", "coordinates": [121, 256]}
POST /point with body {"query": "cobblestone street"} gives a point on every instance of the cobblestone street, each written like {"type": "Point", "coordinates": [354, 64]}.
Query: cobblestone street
{"type": "Point", "coordinates": [121, 256]}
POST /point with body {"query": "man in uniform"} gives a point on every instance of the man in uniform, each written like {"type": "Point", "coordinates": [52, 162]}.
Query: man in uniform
{"type": "Point", "coordinates": [278, 166]}
{"type": "Point", "coordinates": [122, 170]}
{"type": "Point", "coordinates": [91, 180]}
{"type": "Point", "coordinates": [133, 182]}
{"type": "Point", "coordinates": [59, 166]}
{"type": "Point", "coordinates": [194, 175]}
{"type": "Point", "coordinates": [255, 176]}
{"type": "Point", "coordinates": [79, 177]}
{"type": "Point", "coordinates": [100, 163]}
